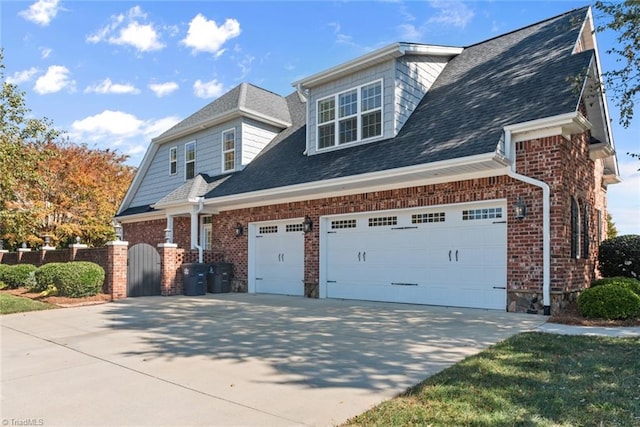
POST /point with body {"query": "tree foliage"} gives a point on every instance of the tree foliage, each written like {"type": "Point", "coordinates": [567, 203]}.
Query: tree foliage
{"type": "Point", "coordinates": [49, 186]}
{"type": "Point", "coordinates": [623, 83]}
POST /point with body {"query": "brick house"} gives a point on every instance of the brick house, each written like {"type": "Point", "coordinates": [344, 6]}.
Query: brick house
{"type": "Point", "coordinates": [471, 177]}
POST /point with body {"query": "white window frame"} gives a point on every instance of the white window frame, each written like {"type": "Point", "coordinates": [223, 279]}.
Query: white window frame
{"type": "Point", "coordinates": [187, 161]}
{"type": "Point", "coordinates": [206, 230]}
{"type": "Point", "coordinates": [173, 160]}
{"type": "Point", "coordinates": [358, 115]}
{"type": "Point", "coordinates": [225, 151]}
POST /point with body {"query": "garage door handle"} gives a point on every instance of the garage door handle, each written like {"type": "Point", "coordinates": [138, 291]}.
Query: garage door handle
{"type": "Point", "coordinates": [358, 256]}
{"type": "Point", "coordinates": [258, 278]}
{"type": "Point", "coordinates": [499, 287]}
{"type": "Point", "coordinates": [449, 255]}
{"type": "Point", "coordinates": [364, 256]}
{"type": "Point", "coordinates": [331, 281]}
{"type": "Point", "coordinates": [456, 255]}
{"type": "Point", "coordinates": [282, 257]}
{"type": "Point", "coordinates": [404, 284]}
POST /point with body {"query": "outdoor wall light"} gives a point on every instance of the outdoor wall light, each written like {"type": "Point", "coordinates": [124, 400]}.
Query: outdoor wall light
{"type": "Point", "coordinates": [239, 230]}
{"type": "Point", "coordinates": [520, 209]}
{"type": "Point", "coordinates": [307, 225]}
{"type": "Point", "coordinates": [47, 240]}
{"type": "Point", "coordinates": [117, 227]}
{"type": "Point", "coordinates": [167, 235]}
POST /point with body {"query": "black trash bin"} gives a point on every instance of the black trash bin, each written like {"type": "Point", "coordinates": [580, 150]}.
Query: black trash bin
{"type": "Point", "coordinates": [193, 278]}
{"type": "Point", "coordinates": [219, 277]}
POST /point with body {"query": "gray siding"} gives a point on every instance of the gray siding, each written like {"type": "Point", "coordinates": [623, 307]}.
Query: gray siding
{"type": "Point", "coordinates": [414, 76]}
{"type": "Point", "coordinates": [383, 71]}
{"type": "Point", "coordinates": [251, 137]}
{"type": "Point", "coordinates": [255, 136]}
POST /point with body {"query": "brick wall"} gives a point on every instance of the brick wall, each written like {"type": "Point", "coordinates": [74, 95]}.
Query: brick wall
{"type": "Point", "coordinates": [564, 165]}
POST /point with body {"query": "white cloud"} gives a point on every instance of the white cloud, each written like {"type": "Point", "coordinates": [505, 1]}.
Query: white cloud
{"type": "Point", "coordinates": [163, 89]}
{"type": "Point", "coordinates": [129, 30]}
{"type": "Point", "coordinates": [45, 52]}
{"type": "Point", "coordinates": [41, 12]}
{"type": "Point", "coordinates": [107, 86]}
{"type": "Point", "coordinates": [409, 32]}
{"type": "Point", "coordinates": [22, 76]}
{"type": "Point", "coordinates": [54, 80]}
{"type": "Point", "coordinates": [211, 89]}
{"type": "Point", "coordinates": [206, 36]}
{"type": "Point", "coordinates": [109, 122]}
{"type": "Point", "coordinates": [125, 131]}
{"type": "Point", "coordinates": [453, 13]}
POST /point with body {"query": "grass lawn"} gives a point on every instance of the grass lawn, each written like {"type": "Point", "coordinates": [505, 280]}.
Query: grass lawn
{"type": "Point", "coordinates": [13, 304]}
{"type": "Point", "coordinates": [531, 379]}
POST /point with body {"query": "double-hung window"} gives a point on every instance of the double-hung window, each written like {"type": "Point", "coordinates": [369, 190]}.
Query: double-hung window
{"type": "Point", "coordinates": [350, 116]}
{"type": "Point", "coordinates": [173, 160]}
{"type": "Point", "coordinates": [228, 150]}
{"type": "Point", "coordinates": [189, 160]}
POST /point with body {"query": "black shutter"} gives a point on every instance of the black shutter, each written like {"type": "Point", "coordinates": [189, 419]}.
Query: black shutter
{"type": "Point", "coordinates": [575, 228]}
{"type": "Point", "coordinates": [585, 232]}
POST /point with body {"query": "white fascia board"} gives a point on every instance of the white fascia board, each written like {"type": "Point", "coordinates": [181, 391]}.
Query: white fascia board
{"type": "Point", "coordinates": [386, 53]}
{"type": "Point", "coordinates": [147, 216]}
{"type": "Point", "coordinates": [563, 124]}
{"type": "Point", "coordinates": [489, 164]}
{"type": "Point", "coordinates": [137, 179]}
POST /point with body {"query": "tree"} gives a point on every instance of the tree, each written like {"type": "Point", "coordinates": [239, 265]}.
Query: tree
{"type": "Point", "coordinates": [53, 187]}
{"type": "Point", "coordinates": [623, 84]}
{"type": "Point", "coordinates": [612, 231]}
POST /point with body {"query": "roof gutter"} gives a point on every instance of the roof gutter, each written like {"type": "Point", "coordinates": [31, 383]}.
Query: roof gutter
{"type": "Point", "coordinates": [546, 222]}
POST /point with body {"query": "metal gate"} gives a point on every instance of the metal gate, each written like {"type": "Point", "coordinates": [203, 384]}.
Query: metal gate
{"type": "Point", "coordinates": [143, 271]}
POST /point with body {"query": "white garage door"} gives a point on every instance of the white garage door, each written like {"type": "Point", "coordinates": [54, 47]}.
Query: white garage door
{"type": "Point", "coordinates": [277, 253]}
{"type": "Point", "coordinates": [454, 256]}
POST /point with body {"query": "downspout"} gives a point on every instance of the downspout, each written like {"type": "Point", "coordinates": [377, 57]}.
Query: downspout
{"type": "Point", "coordinates": [195, 228]}
{"type": "Point", "coordinates": [546, 222]}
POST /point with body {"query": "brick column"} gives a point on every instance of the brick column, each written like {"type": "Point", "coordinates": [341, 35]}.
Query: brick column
{"type": "Point", "coordinates": [2, 252]}
{"type": "Point", "coordinates": [170, 283]}
{"type": "Point", "coordinates": [116, 271]}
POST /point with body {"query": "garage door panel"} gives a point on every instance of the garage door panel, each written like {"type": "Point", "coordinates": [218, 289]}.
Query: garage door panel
{"type": "Point", "coordinates": [446, 260]}
{"type": "Point", "coordinates": [279, 259]}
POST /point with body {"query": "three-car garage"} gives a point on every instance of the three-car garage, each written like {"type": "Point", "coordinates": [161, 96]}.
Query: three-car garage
{"type": "Point", "coordinates": [453, 255]}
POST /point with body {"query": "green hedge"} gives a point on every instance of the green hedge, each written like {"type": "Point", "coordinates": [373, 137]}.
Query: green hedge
{"type": "Point", "coordinates": [18, 275]}
{"type": "Point", "coordinates": [609, 302]}
{"type": "Point", "coordinates": [625, 282]}
{"type": "Point", "coordinates": [46, 276]}
{"type": "Point", "coordinates": [79, 279]}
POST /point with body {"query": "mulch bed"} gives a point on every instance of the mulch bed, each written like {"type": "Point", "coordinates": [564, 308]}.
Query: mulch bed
{"type": "Point", "coordinates": [60, 301]}
{"type": "Point", "coordinates": [571, 316]}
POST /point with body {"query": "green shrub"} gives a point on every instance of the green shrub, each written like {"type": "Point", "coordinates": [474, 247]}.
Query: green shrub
{"type": "Point", "coordinates": [3, 269]}
{"type": "Point", "coordinates": [3, 285]}
{"type": "Point", "coordinates": [79, 279]}
{"type": "Point", "coordinates": [625, 282]}
{"type": "Point", "coordinates": [45, 276]}
{"type": "Point", "coordinates": [19, 275]}
{"type": "Point", "coordinates": [620, 256]}
{"type": "Point", "coordinates": [609, 302]}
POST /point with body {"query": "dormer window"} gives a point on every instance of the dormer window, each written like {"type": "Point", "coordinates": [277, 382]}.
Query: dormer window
{"type": "Point", "coordinates": [358, 116]}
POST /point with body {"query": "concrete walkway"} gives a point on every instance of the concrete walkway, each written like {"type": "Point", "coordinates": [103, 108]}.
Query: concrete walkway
{"type": "Point", "coordinates": [230, 359]}
{"type": "Point", "coordinates": [623, 332]}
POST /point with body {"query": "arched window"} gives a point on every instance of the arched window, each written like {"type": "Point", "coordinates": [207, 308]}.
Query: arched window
{"type": "Point", "coordinates": [585, 231]}
{"type": "Point", "coordinates": [575, 229]}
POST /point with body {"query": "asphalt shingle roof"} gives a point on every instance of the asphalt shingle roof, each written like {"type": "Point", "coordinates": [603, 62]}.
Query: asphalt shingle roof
{"type": "Point", "coordinates": [520, 76]}
{"type": "Point", "coordinates": [244, 95]}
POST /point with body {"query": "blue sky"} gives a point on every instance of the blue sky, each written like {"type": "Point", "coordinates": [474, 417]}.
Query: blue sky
{"type": "Point", "coordinates": [114, 74]}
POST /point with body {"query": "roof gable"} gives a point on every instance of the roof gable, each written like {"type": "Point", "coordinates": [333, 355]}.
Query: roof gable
{"type": "Point", "coordinates": [243, 100]}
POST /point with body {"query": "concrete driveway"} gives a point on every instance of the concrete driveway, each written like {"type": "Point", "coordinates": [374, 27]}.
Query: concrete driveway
{"type": "Point", "coordinates": [230, 359]}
